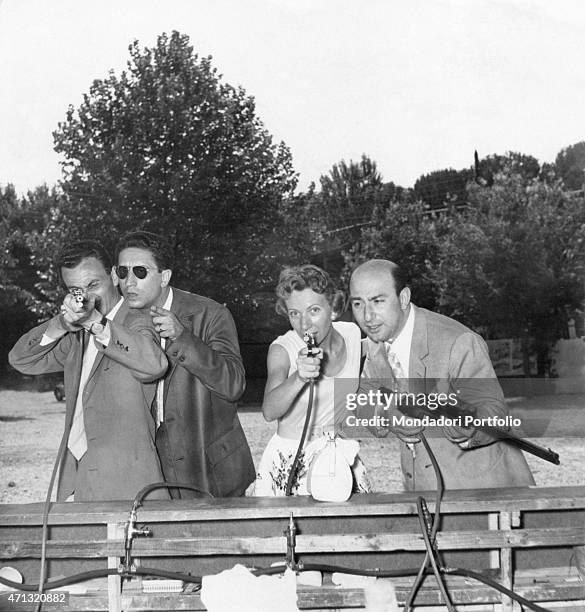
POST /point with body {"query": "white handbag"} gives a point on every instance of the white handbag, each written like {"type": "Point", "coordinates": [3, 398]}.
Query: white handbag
{"type": "Point", "coordinates": [330, 477]}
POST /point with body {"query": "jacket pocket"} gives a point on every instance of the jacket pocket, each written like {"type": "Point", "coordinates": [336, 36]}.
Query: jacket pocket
{"type": "Point", "coordinates": [230, 462]}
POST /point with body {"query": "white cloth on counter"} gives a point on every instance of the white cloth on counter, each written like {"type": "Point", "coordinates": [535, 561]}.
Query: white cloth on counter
{"type": "Point", "coordinates": [238, 589]}
{"type": "Point", "coordinates": [379, 593]}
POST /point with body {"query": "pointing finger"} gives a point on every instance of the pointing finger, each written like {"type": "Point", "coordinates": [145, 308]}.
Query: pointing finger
{"type": "Point", "coordinates": [158, 310]}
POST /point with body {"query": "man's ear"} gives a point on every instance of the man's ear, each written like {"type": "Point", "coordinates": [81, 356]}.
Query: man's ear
{"type": "Point", "coordinates": [166, 277]}
{"type": "Point", "coordinates": [404, 298]}
{"type": "Point", "coordinates": [114, 276]}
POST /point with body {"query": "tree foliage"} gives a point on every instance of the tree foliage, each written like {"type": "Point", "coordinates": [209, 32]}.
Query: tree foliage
{"type": "Point", "coordinates": [404, 232]}
{"type": "Point", "coordinates": [22, 221]}
{"type": "Point", "coordinates": [511, 264]}
{"type": "Point", "coordinates": [526, 166]}
{"type": "Point", "coordinates": [168, 146]}
{"type": "Point", "coordinates": [443, 187]}
{"type": "Point", "coordinates": [350, 194]}
{"type": "Point", "coordinates": [570, 166]}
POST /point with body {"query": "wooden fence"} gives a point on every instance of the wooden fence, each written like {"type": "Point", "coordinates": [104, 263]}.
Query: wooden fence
{"type": "Point", "coordinates": [522, 537]}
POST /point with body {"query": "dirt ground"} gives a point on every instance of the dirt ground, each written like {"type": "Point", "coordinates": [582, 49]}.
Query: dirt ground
{"type": "Point", "coordinates": [31, 426]}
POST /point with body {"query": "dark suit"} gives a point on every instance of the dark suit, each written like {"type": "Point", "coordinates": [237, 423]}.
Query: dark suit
{"type": "Point", "coordinates": [445, 352]}
{"type": "Point", "coordinates": [121, 457]}
{"type": "Point", "coordinates": [201, 441]}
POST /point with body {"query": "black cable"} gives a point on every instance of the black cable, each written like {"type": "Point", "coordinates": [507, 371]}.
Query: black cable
{"type": "Point", "coordinates": [430, 539]}
{"type": "Point", "coordinates": [495, 585]}
{"type": "Point", "coordinates": [103, 573]}
{"type": "Point", "coordinates": [130, 531]}
{"type": "Point", "coordinates": [432, 556]}
{"type": "Point", "coordinates": [60, 455]}
{"type": "Point", "coordinates": [295, 464]}
{"type": "Point", "coordinates": [139, 497]}
{"type": "Point", "coordinates": [435, 527]}
{"type": "Point", "coordinates": [323, 567]}
{"type": "Point", "coordinates": [267, 571]}
{"type": "Point", "coordinates": [46, 508]}
{"type": "Point", "coordinates": [310, 342]}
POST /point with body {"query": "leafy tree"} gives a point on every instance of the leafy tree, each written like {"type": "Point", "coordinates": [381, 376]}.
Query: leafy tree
{"type": "Point", "coordinates": [570, 166]}
{"type": "Point", "coordinates": [21, 300]}
{"type": "Point", "coordinates": [349, 195]}
{"type": "Point", "coordinates": [11, 239]}
{"type": "Point", "coordinates": [526, 166]}
{"type": "Point", "coordinates": [511, 265]}
{"type": "Point", "coordinates": [405, 232]}
{"type": "Point", "coordinates": [168, 146]}
{"type": "Point", "coordinates": [442, 187]}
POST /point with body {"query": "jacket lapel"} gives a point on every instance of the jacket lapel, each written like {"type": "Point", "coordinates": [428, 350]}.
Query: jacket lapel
{"type": "Point", "coordinates": [186, 319]}
{"type": "Point", "coordinates": [119, 317]}
{"type": "Point", "coordinates": [419, 348]}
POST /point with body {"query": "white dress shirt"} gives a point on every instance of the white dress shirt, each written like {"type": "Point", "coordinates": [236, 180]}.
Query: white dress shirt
{"type": "Point", "coordinates": [402, 343]}
{"type": "Point", "coordinates": [160, 386]}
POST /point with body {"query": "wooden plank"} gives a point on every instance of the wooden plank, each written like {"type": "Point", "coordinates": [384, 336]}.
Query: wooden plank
{"type": "Point", "coordinates": [507, 570]}
{"type": "Point", "coordinates": [467, 595]}
{"type": "Point", "coordinates": [493, 523]}
{"type": "Point", "coordinates": [463, 594]}
{"type": "Point", "coordinates": [339, 543]}
{"type": "Point", "coordinates": [470, 500]}
{"type": "Point", "coordinates": [78, 603]}
{"type": "Point", "coordinates": [308, 598]}
{"type": "Point", "coordinates": [114, 532]}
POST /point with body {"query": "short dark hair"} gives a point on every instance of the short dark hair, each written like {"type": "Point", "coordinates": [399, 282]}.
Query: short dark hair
{"type": "Point", "coordinates": [158, 246]}
{"type": "Point", "coordinates": [308, 276]}
{"type": "Point", "coordinates": [400, 277]}
{"type": "Point", "coordinates": [73, 253]}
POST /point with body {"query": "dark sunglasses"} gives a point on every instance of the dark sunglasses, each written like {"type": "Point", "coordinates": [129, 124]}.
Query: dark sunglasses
{"type": "Point", "coordinates": [139, 272]}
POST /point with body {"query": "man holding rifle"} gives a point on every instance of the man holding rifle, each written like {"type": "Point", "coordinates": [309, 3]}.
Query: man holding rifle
{"type": "Point", "coordinates": [111, 358]}
{"type": "Point", "coordinates": [414, 349]}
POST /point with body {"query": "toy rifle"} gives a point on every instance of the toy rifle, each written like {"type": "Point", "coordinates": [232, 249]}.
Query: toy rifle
{"type": "Point", "coordinates": [497, 433]}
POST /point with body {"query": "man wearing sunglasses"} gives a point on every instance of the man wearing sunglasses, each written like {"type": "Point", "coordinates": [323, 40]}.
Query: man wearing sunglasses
{"type": "Point", "coordinates": [199, 436]}
{"type": "Point", "coordinates": [110, 356]}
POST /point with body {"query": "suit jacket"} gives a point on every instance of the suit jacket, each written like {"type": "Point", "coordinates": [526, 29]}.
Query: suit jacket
{"type": "Point", "coordinates": [201, 441]}
{"type": "Point", "coordinates": [447, 356]}
{"type": "Point", "coordinates": [121, 456]}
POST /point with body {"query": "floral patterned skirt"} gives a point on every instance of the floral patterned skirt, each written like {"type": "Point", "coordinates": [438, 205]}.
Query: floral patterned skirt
{"type": "Point", "coordinates": [277, 461]}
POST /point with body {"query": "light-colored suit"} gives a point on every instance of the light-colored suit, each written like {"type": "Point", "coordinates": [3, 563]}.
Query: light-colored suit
{"type": "Point", "coordinates": [444, 352]}
{"type": "Point", "coordinates": [121, 456]}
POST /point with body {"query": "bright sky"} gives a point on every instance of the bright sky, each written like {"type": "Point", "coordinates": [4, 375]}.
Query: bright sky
{"type": "Point", "coordinates": [416, 85]}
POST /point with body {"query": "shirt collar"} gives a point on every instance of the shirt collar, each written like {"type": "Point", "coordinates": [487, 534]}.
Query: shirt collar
{"type": "Point", "coordinates": [169, 301]}
{"type": "Point", "coordinates": [114, 311]}
{"type": "Point", "coordinates": [404, 338]}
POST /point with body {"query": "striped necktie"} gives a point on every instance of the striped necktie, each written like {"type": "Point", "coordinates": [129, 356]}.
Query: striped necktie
{"type": "Point", "coordinates": [397, 370]}
{"type": "Point", "coordinates": [77, 442]}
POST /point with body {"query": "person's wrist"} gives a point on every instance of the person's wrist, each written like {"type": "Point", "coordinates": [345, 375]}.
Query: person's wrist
{"type": "Point", "coordinates": [57, 327]}
{"type": "Point", "coordinates": [97, 324]}
{"type": "Point", "coordinates": [91, 319]}
{"type": "Point", "coordinates": [62, 323]}
{"type": "Point", "coordinates": [303, 380]}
